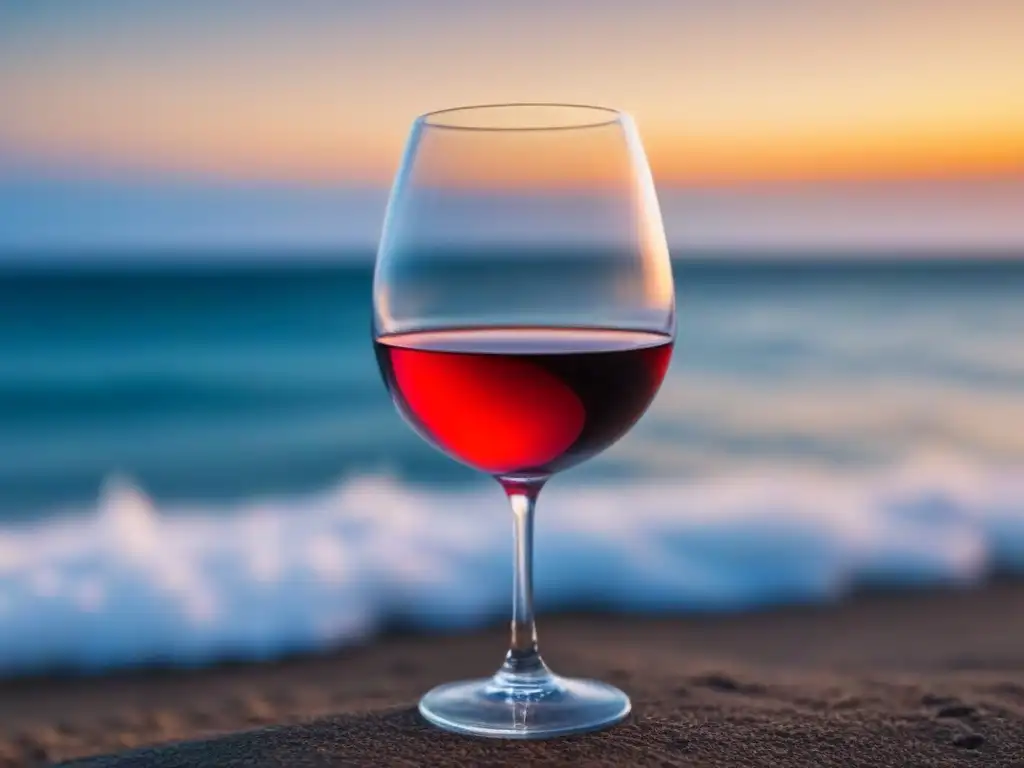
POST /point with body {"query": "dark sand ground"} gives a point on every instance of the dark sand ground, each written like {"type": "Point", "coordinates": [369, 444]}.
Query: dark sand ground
{"type": "Point", "coordinates": [902, 680]}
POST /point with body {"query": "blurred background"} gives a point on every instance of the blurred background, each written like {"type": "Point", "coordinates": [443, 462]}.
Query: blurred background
{"type": "Point", "coordinates": [198, 459]}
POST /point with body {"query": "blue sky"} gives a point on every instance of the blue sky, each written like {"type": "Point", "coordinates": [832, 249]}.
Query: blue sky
{"type": "Point", "coordinates": [130, 217]}
{"type": "Point", "coordinates": [787, 125]}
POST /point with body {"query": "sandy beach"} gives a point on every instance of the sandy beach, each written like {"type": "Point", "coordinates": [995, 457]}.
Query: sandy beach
{"type": "Point", "coordinates": [905, 679]}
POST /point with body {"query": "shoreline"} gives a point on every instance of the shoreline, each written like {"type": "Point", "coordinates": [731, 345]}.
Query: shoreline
{"type": "Point", "coordinates": [944, 667]}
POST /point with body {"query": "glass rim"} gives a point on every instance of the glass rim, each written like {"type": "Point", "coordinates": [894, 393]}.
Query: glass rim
{"type": "Point", "coordinates": [599, 116]}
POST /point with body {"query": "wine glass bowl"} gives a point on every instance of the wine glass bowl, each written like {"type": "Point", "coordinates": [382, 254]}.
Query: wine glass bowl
{"type": "Point", "coordinates": [523, 321]}
{"type": "Point", "coordinates": [523, 402]}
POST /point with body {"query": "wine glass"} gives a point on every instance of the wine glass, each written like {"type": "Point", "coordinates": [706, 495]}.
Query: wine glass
{"type": "Point", "coordinates": [524, 317]}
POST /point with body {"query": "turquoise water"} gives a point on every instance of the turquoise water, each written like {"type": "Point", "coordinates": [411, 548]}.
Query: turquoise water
{"type": "Point", "coordinates": [201, 461]}
{"type": "Point", "coordinates": [234, 382]}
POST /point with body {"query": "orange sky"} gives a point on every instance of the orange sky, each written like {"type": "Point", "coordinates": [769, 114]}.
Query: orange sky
{"type": "Point", "coordinates": [722, 91]}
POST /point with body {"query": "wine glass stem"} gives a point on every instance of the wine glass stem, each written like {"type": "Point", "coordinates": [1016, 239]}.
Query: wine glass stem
{"type": "Point", "coordinates": [523, 664]}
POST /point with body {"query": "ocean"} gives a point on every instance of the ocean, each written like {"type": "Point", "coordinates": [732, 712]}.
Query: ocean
{"type": "Point", "coordinates": [199, 461]}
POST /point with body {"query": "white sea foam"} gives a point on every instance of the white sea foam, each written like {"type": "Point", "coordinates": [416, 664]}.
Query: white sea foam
{"type": "Point", "coordinates": [129, 583]}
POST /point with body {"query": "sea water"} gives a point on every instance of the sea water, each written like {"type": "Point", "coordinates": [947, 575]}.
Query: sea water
{"type": "Point", "coordinates": [201, 462]}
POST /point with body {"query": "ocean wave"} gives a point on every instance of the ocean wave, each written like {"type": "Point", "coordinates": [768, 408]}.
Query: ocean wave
{"type": "Point", "coordinates": [127, 583]}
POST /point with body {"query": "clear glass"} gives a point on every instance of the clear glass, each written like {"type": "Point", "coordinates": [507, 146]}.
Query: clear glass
{"type": "Point", "coordinates": [524, 316]}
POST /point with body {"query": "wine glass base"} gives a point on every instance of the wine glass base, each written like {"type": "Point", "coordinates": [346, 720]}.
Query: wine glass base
{"type": "Point", "coordinates": [559, 707]}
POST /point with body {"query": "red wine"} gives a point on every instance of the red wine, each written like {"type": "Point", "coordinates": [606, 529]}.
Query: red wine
{"type": "Point", "coordinates": [523, 401]}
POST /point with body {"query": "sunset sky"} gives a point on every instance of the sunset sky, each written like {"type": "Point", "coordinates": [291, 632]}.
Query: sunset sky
{"type": "Point", "coordinates": [755, 114]}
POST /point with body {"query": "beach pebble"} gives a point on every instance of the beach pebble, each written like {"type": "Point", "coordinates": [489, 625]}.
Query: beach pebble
{"type": "Point", "coordinates": [968, 740]}
{"type": "Point", "coordinates": [956, 710]}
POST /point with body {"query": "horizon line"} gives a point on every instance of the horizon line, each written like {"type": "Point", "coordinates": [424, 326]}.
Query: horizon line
{"type": "Point", "coordinates": [365, 253]}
